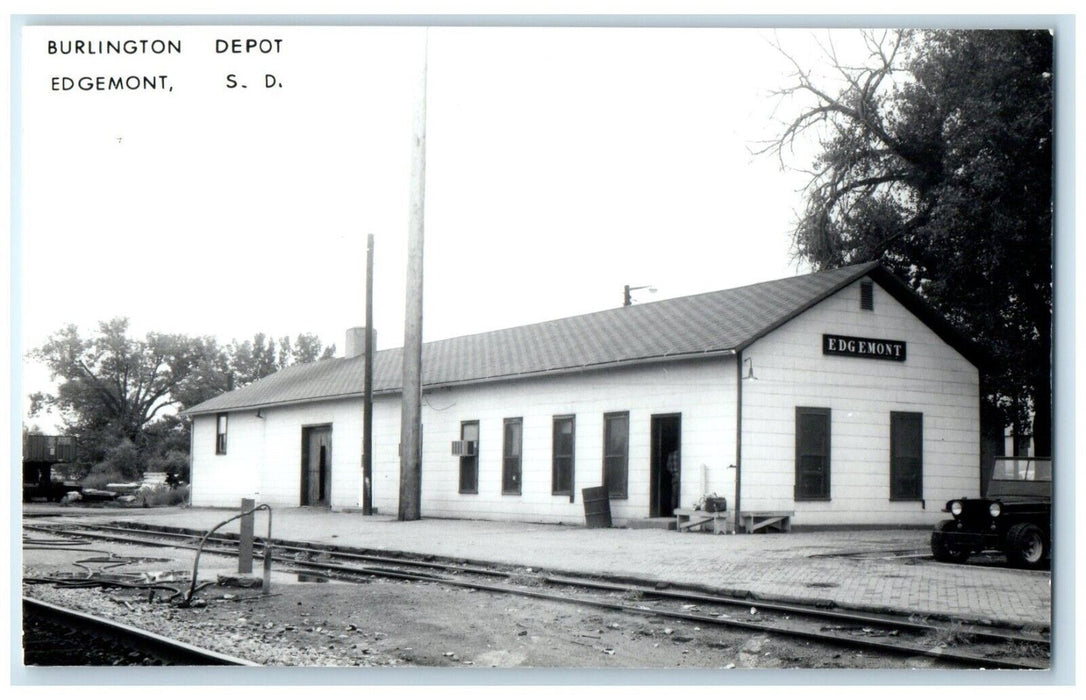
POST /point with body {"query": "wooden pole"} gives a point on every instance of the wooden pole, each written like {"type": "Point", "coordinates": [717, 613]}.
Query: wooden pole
{"type": "Point", "coordinates": [411, 413]}
{"type": "Point", "coordinates": [367, 390]}
{"type": "Point", "coordinates": [245, 537]}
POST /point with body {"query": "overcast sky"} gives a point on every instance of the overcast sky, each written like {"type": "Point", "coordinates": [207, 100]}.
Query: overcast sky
{"type": "Point", "coordinates": [561, 165]}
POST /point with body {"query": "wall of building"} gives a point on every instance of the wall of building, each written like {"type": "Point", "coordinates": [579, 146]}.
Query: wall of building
{"type": "Point", "coordinates": [791, 371]}
{"type": "Point", "coordinates": [263, 459]}
{"type": "Point", "coordinates": [264, 455]}
{"type": "Point", "coordinates": [702, 391]}
{"type": "Point", "coordinates": [223, 480]}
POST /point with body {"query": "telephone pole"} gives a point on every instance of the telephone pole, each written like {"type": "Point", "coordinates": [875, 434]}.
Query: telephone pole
{"type": "Point", "coordinates": [367, 390]}
{"type": "Point", "coordinates": [411, 412]}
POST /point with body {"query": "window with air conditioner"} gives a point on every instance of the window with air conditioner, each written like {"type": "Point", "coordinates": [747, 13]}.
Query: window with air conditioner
{"type": "Point", "coordinates": [469, 463]}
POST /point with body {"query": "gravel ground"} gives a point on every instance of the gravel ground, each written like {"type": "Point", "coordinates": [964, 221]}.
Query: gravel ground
{"type": "Point", "coordinates": [381, 623]}
{"type": "Point", "coordinates": [388, 624]}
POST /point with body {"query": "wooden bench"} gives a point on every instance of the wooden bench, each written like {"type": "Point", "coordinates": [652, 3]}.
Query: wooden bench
{"type": "Point", "coordinates": [686, 519]}
{"type": "Point", "coordinates": [779, 520]}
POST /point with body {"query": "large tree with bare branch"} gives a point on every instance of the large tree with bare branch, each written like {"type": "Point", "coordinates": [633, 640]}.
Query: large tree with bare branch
{"type": "Point", "coordinates": [935, 158]}
{"type": "Point", "coordinates": [111, 386]}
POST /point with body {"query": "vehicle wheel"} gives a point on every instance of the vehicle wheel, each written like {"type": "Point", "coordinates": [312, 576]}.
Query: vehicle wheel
{"type": "Point", "coordinates": [941, 550]}
{"type": "Point", "coordinates": [1027, 546]}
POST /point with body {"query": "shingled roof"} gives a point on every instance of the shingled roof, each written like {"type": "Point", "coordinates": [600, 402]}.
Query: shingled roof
{"type": "Point", "coordinates": [714, 323]}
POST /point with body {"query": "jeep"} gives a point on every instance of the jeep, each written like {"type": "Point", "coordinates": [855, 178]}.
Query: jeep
{"type": "Point", "coordinates": [1014, 517]}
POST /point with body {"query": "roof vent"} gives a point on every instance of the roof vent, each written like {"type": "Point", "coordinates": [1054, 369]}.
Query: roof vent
{"type": "Point", "coordinates": [356, 341]}
{"type": "Point", "coordinates": [867, 296]}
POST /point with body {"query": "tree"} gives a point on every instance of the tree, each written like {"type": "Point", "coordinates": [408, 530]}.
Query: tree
{"type": "Point", "coordinates": [121, 396]}
{"type": "Point", "coordinates": [222, 369]}
{"type": "Point", "coordinates": [307, 348]}
{"type": "Point", "coordinates": [935, 158]}
{"type": "Point", "coordinates": [112, 386]}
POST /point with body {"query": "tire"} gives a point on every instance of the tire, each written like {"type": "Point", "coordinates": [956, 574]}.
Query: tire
{"type": "Point", "coordinates": [943, 551]}
{"type": "Point", "coordinates": [1027, 546]}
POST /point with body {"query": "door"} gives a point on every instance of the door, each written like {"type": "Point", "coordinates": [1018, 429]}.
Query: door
{"type": "Point", "coordinates": [665, 469]}
{"type": "Point", "coordinates": [317, 466]}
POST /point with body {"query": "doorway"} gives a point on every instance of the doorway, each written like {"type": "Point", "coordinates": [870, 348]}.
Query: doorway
{"type": "Point", "coordinates": [665, 469]}
{"type": "Point", "coordinates": [317, 466]}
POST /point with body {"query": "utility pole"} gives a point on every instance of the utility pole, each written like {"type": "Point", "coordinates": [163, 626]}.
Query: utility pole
{"type": "Point", "coordinates": [367, 390]}
{"type": "Point", "coordinates": [411, 412]}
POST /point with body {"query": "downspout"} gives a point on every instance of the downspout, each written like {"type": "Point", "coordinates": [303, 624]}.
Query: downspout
{"type": "Point", "coordinates": [738, 432]}
{"type": "Point", "coordinates": [192, 457]}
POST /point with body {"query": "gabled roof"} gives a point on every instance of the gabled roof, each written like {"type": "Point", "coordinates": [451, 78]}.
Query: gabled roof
{"type": "Point", "coordinates": [714, 323]}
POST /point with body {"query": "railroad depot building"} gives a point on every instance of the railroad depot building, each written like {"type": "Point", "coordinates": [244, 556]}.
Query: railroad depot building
{"type": "Point", "coordinates": [838, 396]}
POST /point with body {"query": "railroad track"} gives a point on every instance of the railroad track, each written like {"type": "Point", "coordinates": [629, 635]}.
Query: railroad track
{"type": "Point", "coordinates": [955, 644]}
{"type": "Point", "coordinates": [58, 636]}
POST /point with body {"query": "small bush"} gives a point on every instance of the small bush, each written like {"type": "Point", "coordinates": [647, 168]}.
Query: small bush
{"type": "Point", "coordinates": [100, 475]}
{"type": "Point", "coordinates": [174, 462]}
{"type": "Point", "coordinates": [164, 496]}
{"type": "Point", "coordinates": [124, 459]}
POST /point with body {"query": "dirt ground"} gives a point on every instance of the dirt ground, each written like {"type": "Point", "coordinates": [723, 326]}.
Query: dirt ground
{"type": "Point", "coordinates": [389, 623]}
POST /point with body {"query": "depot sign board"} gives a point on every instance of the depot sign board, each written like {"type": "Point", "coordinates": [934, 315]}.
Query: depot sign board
{"type": "Point", "coordinates": [868, 348]}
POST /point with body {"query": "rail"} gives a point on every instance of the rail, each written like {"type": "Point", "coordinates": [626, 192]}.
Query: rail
{"type": "Point", "coordinates": [864, 625]}
{"type": "Point", "coordinates": [172, 651]}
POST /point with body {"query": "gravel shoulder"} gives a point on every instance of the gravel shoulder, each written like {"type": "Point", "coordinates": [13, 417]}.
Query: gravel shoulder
{"type": "Point", "coordinates": [380, 623]}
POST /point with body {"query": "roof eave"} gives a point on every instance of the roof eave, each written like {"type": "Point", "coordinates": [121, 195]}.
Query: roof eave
{"type": "Point", "coordinates": [860, 271]}
{"type": "Point", "coordinates": [593, 367]}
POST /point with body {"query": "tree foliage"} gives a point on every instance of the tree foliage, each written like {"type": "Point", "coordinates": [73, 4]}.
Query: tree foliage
{"type": "Point", "coordinates": [935, 158]}
{"type": "Point", "coordinates": [112, 386]}
{"type": "Point", "coordinates": [121, 395]}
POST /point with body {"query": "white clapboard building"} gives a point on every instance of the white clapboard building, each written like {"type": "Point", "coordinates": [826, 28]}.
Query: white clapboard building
{"type": "Point", "coordinates": [838, 397]}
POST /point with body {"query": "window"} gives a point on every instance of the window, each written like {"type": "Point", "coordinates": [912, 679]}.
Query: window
{"type": "Point", "coordinates": [906, 456]}
{"type": "Point", "coordinates": [220, 434]}
{"type": "Point", "coordinates": [867, 296]}
{"type": "Point", "coordinates": [562, 457]}
{"type": "Point", "coordinates": [469, 464]}
{"type": "Point", "coordinates": [511, 444]}
{"type": "Point", "coordinates": [616, 448]}
{"type": "Point", "coordinates": [812, 454]}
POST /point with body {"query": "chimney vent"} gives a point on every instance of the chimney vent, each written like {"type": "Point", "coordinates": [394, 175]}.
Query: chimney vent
{"type": "Point", "coordinates": [356, 341]}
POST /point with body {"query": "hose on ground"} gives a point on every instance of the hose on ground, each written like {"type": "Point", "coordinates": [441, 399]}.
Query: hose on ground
{"type": "Point", "coordinates": [200, 548]}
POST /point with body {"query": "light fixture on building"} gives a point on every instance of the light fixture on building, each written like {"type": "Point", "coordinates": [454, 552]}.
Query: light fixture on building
{"type": "Point", "coordinates": [626, 300]}
{"type": "Point", "coordinates": [260, 413]}
{"type": "Point", "coordinates": [749, 362]}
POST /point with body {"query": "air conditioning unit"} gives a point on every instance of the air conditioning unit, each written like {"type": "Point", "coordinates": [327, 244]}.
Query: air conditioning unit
{"type": "Point", "coordinates": [464, 448]}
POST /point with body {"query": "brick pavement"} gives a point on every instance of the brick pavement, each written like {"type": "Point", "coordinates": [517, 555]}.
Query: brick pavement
{"type": "Point", "coordinates": [790, 566]}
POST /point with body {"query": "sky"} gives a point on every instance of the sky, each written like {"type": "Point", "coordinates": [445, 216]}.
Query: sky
{"type": "Point", "coordinates": [561, 165]}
